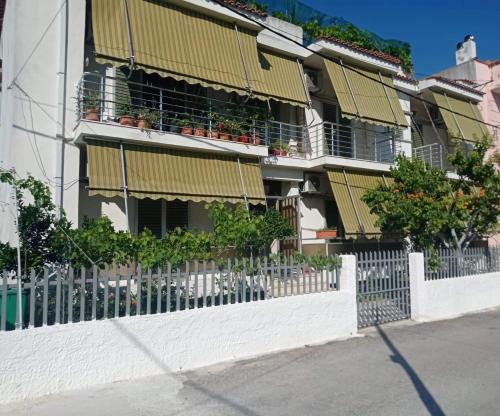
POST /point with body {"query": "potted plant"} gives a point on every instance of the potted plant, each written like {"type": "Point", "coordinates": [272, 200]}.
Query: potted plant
{"type": "Point", "coordinates": [234, 128]}
{"type": "Point", "coordinates": [213, 118]}
{"type": "Point", "coordinates": [285, 149]}
{"type": "Point", "coordinates": [199, 129]}
{"type": "Point", "coordinates": [275, 150]}
{"type": "Point", "coordinates": [148, 118]}
{"type": "Point", "coordinates": [326, 233]}
{"type": "Point", "coordinates": [127, 115]}
{"type": "Point", "coordinates": [91, 105]}
{"type": "Point", "coordinates": [244, 136]}
{"type": "Point", "coordinates": [186, 126]}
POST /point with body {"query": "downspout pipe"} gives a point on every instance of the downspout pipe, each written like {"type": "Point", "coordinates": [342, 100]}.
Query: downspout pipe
{"type": "Point", "coordinates": [61, 114]}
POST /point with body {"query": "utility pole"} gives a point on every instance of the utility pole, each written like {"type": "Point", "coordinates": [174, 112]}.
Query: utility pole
{"type": "Point", "coordinates": [19, 321]}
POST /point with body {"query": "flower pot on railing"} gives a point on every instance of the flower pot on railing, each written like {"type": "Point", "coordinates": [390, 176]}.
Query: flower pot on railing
{"type": "Point", "coordinates": [143, 124]}
{"type": "Point", "coordinates": [92, 114]}
{"type": "Point", "coordinates": [127, 120]}
{"type": "Point", "coordinates": [214, 134]}
{"type": "Point", "coordinates": [224, 136]}
{"type": "Point", "coordinates": [187, 130]}
{"type": "Point", "coordinates": [257, 140]}
{"type": "Point", "coordinates": [326, 234]}
{"type": "Point", "coordinates": [244, 138]}
{"type": "Point", "coordinates": [199, 132]}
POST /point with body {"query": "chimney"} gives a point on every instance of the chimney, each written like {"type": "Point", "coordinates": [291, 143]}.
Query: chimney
{"type": "Point", "coordinates": [466, 50]}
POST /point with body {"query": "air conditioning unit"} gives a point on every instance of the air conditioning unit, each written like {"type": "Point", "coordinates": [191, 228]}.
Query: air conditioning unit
{"type": "Point", "coordinates": [313, 80]}
{"type": "Point", "coordinates": [312, 184]}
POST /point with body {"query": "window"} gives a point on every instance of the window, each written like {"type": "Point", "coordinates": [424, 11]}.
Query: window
{"type": "Point", "coordinates": [149, 215]}
{"type": "Point", "coordinates": [176, 215]}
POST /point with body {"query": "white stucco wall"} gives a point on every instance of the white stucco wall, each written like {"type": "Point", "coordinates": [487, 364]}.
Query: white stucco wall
{"type": "Point", "coordinates": [47, 360]}
{"type": "Point", "coordinates": [448, 298]}
{"type": "Point", "coordinates": [31, 109]}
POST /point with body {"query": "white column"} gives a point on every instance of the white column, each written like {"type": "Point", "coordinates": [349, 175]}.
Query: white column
{"type": "Point", "coordinates": [347, 286]}
{"type": "Point", "coordinates": [417, 282]}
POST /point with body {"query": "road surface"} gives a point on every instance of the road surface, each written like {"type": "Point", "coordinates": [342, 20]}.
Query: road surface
{"type": "Point", "coordinates": [441, 368]}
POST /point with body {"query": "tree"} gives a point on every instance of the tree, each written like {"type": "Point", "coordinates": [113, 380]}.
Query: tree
{"type": "Point", "coordinates": [430, 210]}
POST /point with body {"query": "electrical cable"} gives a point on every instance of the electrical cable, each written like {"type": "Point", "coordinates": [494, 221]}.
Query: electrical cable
{"type": "Point", "coordinates": [325, 56]}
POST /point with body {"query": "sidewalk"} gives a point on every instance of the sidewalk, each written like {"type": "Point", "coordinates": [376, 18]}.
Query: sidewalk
{"type": "Point", "coordinates": [448, 367]}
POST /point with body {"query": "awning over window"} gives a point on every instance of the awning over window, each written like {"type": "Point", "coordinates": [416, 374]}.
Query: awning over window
{"type": "Point", "coordinates": [190, 46]}
{"type": "Point", "coordinates": [362, 95]}
{"type": "Point", "coordinates": [348, 188]}
{"type": "Point", "coordinates": [158, 172]}
{"type": "Point", "coordinates": [467, 125]}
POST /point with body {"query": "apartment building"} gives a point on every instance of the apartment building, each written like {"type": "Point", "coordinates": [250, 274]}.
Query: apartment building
{"type": "Point", "coordinates": [145, 111]}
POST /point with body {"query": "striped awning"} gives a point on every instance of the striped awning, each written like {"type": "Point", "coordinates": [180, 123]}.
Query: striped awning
{"type": "Point", "coordinates": [348, 188]}
{"type": "Point", "coordinates": [170, 174]}
{"type": "Point", "coordinates": [189, 46]}
{"type": "Point", "coordinates": [465, 122]}
{"type": "Point", "coordinates": [366, 95]}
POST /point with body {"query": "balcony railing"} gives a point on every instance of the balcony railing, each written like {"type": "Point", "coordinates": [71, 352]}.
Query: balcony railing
{"type": "Point", "coordinates": [432, 154]}
{"type": "Point", "coordinates": [363, 143]}
{"type": "Point", "coordinates": [108, 100]}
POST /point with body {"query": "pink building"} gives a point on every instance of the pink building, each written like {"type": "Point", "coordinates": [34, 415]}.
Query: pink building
{"type": "Point", "coordinates": [484, 76]}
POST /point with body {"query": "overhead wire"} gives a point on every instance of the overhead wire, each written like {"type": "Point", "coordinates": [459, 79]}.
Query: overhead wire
{"type": "Point", "coordinates": [354, 69]}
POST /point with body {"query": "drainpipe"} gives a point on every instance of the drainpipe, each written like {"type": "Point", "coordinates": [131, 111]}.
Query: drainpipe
{"type": "Point", "coordinates": [61, 113]}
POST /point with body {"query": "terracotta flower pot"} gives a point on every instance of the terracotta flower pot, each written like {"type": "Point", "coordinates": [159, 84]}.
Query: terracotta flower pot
{"type": "Point", "coordinates": [92, 114]}
{"type": "Point", "coordinates": [143, 124]}
{"type": "Point", "coordinates": [214, 134]}
{"type": "Point", "coordinates": [199, 132]}
{"type": "Point", "coordinates": [187, 131]}
{"type": "Point", "coordinates": [224, 136]}
{"type": "Point", "coordinates": [276, 152]}
{"type": "Point", "coordinates": [244, 139]}
{"type": "Point", "coordinates": [127, 121]}
{"type": "Point", "coordinates": [326, 234]}
{"type": "Point", "coordinates": [284, 153]}
{"type": "Point", "coordinates": [234, 137]}
{"type": "Point", "coordinates": [257, 140]}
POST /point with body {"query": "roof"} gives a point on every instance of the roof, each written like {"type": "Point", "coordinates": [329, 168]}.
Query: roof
{"type": "Point", "coordinates": [456, 84]}
{"type": "Point", "coordinates": [245, 7]}
{"type": "Point", "coordinates": [491, 63]}
{"type": "Point", "coordinates": [405, 78]}
{"type": "Point", "coordinates": [377, 54]}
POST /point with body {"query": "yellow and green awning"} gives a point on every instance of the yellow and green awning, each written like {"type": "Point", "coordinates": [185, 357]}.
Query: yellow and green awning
{"type": "Point", "coordinates": [462, 118]}
{"type": "Point", "coordinates": [348, 188]}
{"type": "Point", "coordinates": [166, 173]}
{"type": "Point", "coordinates": [192, 47]}
{"type": "Point", "coordinates": [366, 95]}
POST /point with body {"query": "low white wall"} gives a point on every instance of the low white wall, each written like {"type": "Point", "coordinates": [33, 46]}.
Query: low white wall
{"type": "Point", "coordinates": [47, 360]}
{"type": "Point", "coordinates": [448, 298]}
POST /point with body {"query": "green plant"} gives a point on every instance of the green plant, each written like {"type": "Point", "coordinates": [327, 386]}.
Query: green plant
{"type": "Point", "coordinates": [91, 100]}
{"type": "Point", "coordinates": [152, 116]}
{"type": "Point", "coordinates": [127, 109]}
{"type": "Point", "coordinates": [424, 206]}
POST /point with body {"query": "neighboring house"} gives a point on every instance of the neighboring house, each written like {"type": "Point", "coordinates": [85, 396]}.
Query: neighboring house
{"type": "Point", "coordinates": [238, 114]}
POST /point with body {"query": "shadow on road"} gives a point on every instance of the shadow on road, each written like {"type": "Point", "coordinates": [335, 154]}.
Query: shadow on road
{"type": "Point", "coordinates": [425, 395]}
{"type": "Point", "coordinates": [158, 361]}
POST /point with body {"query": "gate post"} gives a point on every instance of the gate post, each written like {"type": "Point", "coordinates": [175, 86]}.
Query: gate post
{"type": "Point", "coordinates": [347, 283]}
{"type": "Point", "coordinates": [417, 282]}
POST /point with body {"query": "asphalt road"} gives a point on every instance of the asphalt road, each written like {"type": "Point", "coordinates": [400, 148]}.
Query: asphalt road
{"type": "Point", "coordinates": [441, 368]}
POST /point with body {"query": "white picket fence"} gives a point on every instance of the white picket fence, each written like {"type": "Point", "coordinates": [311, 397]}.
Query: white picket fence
{"type": "Point", "coordinates": [66, 295]}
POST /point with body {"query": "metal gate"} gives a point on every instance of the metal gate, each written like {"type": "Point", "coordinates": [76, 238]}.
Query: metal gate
{"type": "Point", "coordinates": [383, 289]}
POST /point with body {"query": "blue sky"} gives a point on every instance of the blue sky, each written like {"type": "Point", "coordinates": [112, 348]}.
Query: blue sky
{"type": "Point", "coordinates": [433, 28]}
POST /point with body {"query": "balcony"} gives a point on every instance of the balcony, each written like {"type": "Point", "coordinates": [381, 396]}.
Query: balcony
{"type": "Point", "coordinates": [432, 154]}
{"type": "Point", "coordinates": [361, 142]}
{"type": "Point", "coordinates": [206, 116]}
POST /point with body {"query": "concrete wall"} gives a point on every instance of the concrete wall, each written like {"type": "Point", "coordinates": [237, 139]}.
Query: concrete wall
{"type": "Point", "coordinates": [448, 298]}
{"type": "Point", "coordinates": [47, 360]}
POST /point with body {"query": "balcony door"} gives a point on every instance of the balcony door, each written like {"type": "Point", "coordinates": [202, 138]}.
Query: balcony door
{"type": "Point", "coordinates": [337, 131]}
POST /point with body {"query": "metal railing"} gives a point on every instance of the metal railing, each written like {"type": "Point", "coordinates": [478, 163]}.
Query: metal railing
{"type": "Point", "coordinates": [367, 142]}
{"type": "Point", "coordinates": [106, 99]}
{"type": "Point", "coordinates": [452, 263]}
{"type": "Point", "coordinates": [66, 295]}
{"type": "Point", "coordinates": [432, 154]}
